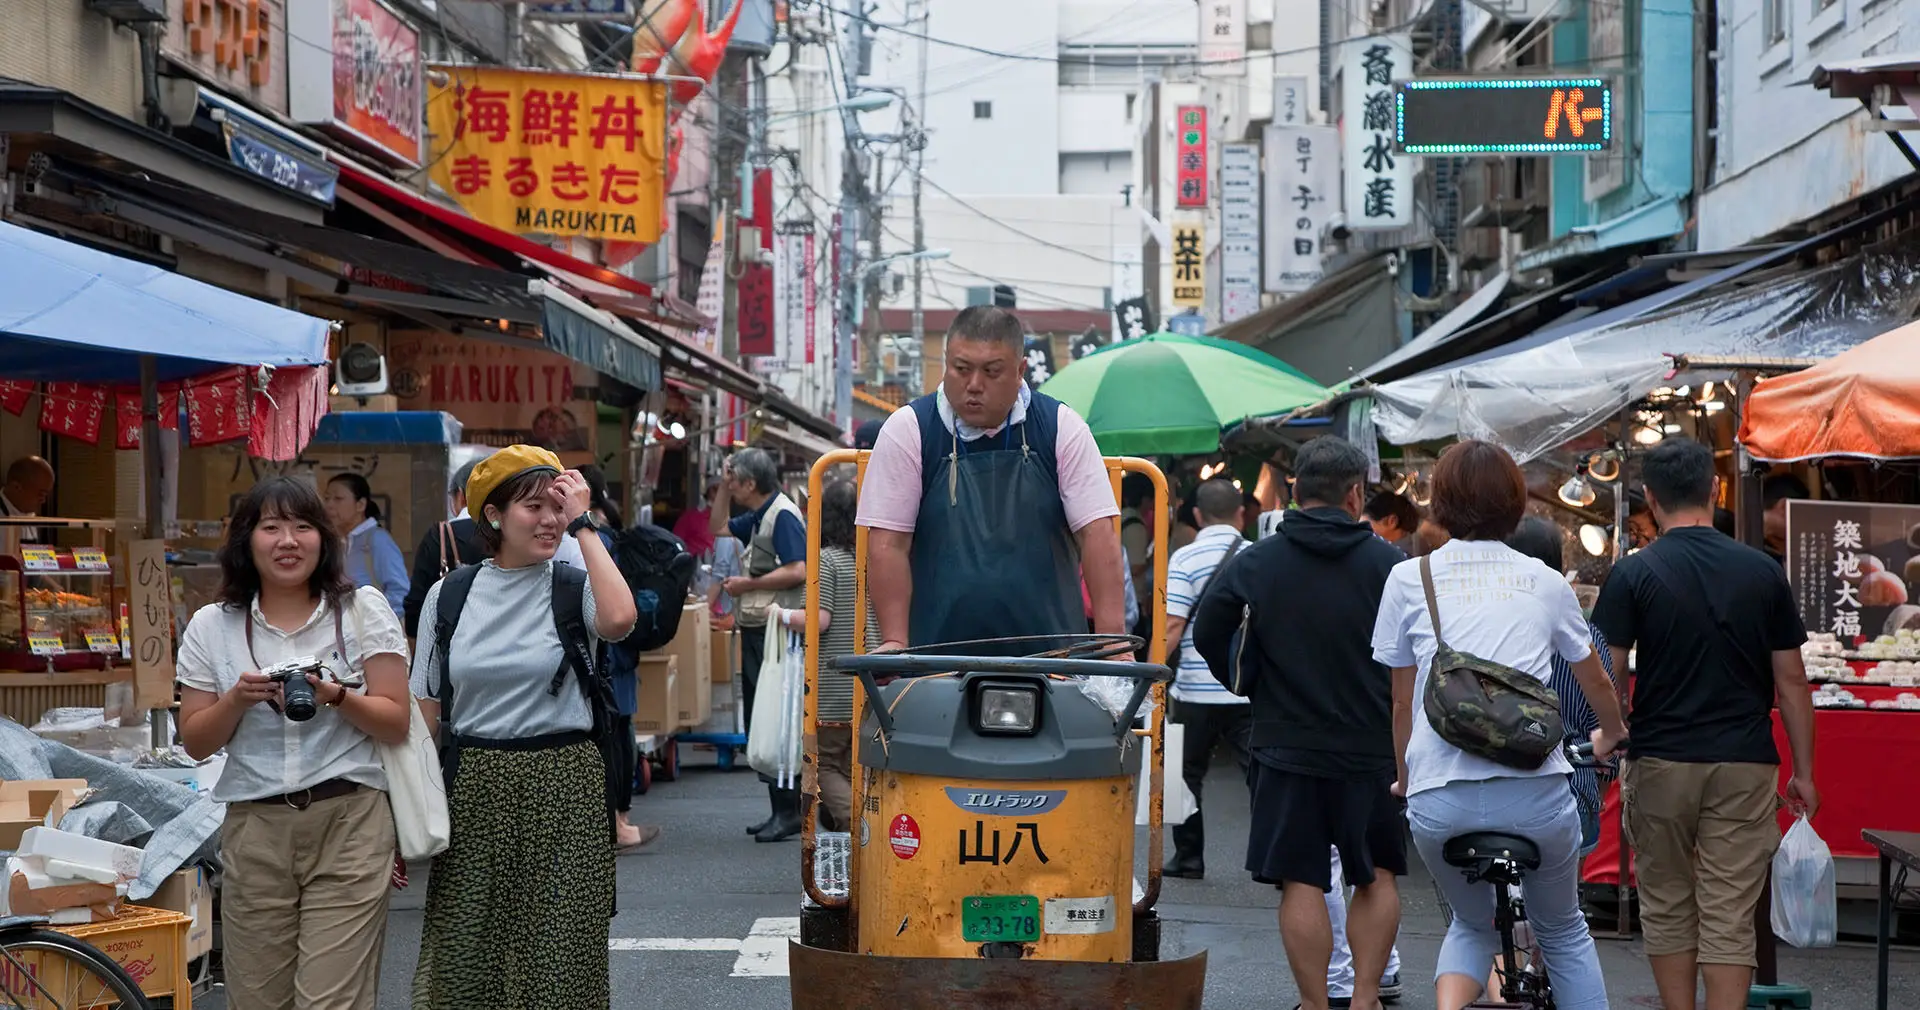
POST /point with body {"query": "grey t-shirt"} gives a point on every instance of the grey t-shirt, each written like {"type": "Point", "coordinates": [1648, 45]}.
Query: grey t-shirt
{"type": "Point", "coordinates": [505, 651]}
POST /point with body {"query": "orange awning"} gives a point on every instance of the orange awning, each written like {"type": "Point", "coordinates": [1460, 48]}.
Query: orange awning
{"type": "Point", "coordinates": [1864, 403]}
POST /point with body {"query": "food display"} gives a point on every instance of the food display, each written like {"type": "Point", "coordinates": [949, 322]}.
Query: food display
{"type": "Point", "coordinates": [57, 611]}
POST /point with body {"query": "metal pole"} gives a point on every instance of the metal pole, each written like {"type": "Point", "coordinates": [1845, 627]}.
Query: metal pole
{"type": "Point", "coordinates": [852, 187]}
{"type": "Point", "coordinates": [919, 161]}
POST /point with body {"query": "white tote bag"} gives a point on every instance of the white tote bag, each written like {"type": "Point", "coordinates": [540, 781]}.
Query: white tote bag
{"type": "Point", "coordinates": [418, 791]}
{"type": "Point", "coordinates": [416, 787]}
{"type": "Point", "coordinates": [773, 739]}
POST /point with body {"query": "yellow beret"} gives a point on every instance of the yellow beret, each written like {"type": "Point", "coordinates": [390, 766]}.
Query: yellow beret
{"type": "Point", "coordinates": [501, 467]}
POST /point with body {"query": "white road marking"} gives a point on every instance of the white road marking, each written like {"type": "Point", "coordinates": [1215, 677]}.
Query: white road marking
{"type": "Point", "coordinates": [674, 943]}
{"type": "Point", "coordinates": [763, 954]}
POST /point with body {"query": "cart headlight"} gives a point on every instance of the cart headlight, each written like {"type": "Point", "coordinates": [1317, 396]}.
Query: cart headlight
{"type": "Point", "coordinates": [1008, 711]}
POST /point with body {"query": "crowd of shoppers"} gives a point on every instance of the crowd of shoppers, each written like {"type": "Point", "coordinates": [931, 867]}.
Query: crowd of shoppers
{"type": "Point", "coordinates": [1346, 601]}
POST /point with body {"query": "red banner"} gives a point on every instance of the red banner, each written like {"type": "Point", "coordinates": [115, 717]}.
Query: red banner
{"type": "Point", "coordinates": [287, 414]}
{"type": "Point", "coordinates": [14, 394]}
{"type": "Point", "coordinates": [812, 297]}
{"type": "Point", "coordinates": [126, 416]}
{"type": "Point", "coordinates": [74, 410]}
{"type": "Point", "coordinates": [1190, 157]}
{"type": "Point", "coordinates": [755, 293]}
{"type": "Point", "coordinates": [216, 411]}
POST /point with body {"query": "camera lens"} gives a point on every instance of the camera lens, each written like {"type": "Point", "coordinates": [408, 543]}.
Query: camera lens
{"type": "Point", "coordinates": [299, 698]}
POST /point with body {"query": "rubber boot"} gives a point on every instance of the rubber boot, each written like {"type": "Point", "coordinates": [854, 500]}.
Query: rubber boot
{"type": "Point", "coordinates": [773, 811]}
{"type": "Point", "coordinates": [786, 821]}
{"type": "Point", "coordinates": [1189, 850]}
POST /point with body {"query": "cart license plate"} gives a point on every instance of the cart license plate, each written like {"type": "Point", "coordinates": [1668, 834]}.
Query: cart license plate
{"type": "Point", "coordinates": [1000, 919]}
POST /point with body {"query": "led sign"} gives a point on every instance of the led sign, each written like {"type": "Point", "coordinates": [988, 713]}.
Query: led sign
{"type": "Point", "coordinates": [1542, 115]}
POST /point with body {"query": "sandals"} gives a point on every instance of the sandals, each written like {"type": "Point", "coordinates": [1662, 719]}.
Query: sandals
{"type": "Point", "coordinates": [648, 833]}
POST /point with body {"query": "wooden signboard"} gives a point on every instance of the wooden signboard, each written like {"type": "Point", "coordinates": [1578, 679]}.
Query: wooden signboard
{"type": "Point", "coordinates": [151, 610]}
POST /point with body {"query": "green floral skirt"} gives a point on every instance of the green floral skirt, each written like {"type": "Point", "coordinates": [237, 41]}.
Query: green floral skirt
{"type": "Point", "coordinates": [519, 905]}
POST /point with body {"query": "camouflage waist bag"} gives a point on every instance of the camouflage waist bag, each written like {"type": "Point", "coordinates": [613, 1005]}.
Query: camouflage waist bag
{"type": "Point", "coordinates": [1484, 708]}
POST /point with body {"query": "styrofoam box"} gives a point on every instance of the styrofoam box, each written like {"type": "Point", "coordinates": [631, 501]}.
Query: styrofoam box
{"type": "Point", "coordinates": [56, 846]}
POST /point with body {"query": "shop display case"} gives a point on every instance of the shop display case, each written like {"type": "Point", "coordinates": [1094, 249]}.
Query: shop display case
{"type": "Point", "coordinates": [58, 612]}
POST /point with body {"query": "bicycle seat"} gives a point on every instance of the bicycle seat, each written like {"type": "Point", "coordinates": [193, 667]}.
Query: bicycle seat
{"type": "Point", "coordinates": [1477, 847]}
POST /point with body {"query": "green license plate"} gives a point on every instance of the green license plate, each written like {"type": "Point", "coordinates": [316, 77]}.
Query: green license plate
{"type": "Point", "coordinates": [1013, 918]}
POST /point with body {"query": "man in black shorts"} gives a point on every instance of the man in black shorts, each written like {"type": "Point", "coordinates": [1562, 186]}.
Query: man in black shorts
{"type": "Point", "coordinates": [1322, 717]}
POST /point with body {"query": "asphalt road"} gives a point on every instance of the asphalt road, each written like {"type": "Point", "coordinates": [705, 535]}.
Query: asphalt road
{"type": "Point", "coordinates": [704, 912]}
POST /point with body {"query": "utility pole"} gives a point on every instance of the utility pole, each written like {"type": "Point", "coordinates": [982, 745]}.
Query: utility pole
{"type": "Point", "coordinates": [853, 183]}
{"type": "Point", "coordinates": [919, 142]}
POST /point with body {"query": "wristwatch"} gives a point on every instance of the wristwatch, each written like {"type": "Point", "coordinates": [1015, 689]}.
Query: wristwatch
{"type": "Point", "coordinates": [584, 522]}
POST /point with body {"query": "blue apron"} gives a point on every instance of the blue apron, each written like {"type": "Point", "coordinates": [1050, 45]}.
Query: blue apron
{"type": "Point", "coordinates": [992, 555]}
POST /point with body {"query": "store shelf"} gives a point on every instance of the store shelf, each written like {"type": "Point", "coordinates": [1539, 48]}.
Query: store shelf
{"type": "Point", "coordinates": [78, 678]}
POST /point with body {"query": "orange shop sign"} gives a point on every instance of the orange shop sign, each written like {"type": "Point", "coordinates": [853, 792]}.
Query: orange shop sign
{"type": "Point", "coordinates": [550, 153]}
{"type": "Point", "coordinates": [353, 66]}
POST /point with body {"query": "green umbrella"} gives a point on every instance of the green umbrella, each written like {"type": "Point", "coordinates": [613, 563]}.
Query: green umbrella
{"type": "Point", "coordinates": [1168, 394]}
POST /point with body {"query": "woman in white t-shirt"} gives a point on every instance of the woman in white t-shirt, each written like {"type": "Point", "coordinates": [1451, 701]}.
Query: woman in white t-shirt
{"type": "Point", "coordinates": [1505, 607]}
{"type": "Point", "coordinates": [308, 842]}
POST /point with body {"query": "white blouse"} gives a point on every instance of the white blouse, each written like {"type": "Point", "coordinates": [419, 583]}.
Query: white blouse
{"type": "Point", "coordinates": [269, 753]}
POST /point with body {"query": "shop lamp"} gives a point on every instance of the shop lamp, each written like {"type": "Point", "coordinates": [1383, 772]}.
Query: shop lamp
{"type": "Point", "coordinates": [1594, 538]}
{"type": "Point", "coordinates": [1576, 491]}
{"type": "Point", "coordinates": [1604, 466]}
{"type": "Point", "coordinates": [1648, 435]}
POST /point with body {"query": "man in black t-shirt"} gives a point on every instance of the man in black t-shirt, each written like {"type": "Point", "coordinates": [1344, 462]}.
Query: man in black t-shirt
{"type": "Point", "coordinates": [1322, 742]}
{"type": "Point", "coordinates": [1719, 644]}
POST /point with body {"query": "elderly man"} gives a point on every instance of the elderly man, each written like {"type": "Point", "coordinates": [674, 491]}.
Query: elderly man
{"type": "Point", "coordinates": [774, 535]}
{"type": "Point", "coordinates": [985, 502]}
{"type": "Point", "coordinates": [29, 482]}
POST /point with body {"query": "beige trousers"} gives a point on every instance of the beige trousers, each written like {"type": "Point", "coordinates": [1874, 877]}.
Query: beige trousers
{"type": "Point", "coordinates": [304, 902]}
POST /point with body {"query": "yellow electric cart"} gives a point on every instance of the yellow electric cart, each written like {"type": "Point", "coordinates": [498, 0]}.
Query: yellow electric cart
{"type": "Point", "coordinates": [991, 857]}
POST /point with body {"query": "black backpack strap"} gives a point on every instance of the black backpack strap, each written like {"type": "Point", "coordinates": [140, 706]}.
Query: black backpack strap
{"type": "Point", "coordinates": [453, 598]}
{"type": "Point", "coordinates": [569, 620]}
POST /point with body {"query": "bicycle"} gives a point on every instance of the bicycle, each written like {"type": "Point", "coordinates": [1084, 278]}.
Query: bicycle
{"type": "Point", "coordinates": [1503, 860]}
{"type": "Point", "coordinates": [44, 969]}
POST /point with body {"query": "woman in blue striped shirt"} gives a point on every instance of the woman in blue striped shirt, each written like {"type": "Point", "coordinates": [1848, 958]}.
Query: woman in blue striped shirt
{"type": "Point", "coordinates": [1541, 540]}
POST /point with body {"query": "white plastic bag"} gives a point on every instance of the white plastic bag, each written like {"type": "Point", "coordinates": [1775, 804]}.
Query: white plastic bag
{"type": "Point", "coordinates": [1176, 801]}
{"type": "Point", "coordinates": [773, 738]}
{"type": "Point", "coordinates": [1805, 911]}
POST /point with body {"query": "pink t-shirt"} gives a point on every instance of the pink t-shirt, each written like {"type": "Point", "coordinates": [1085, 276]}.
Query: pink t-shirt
{"type": "Point", "coordinates": [890, 492]}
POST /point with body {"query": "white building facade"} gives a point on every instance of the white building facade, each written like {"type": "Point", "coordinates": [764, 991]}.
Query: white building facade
{"type": "Point", "coordinates": [1785, 152]}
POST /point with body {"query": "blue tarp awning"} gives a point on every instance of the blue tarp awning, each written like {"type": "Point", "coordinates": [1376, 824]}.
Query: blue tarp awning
{"type": "Point", "coordinates": [73, 314]}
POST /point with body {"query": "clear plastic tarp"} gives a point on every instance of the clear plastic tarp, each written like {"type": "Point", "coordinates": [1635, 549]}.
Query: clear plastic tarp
{"type": "Point", "coordinates": [1534, 399]}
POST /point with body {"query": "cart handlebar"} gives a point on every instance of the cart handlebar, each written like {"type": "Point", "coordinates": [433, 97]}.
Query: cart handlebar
{"type": "Point", "coordinates": [1085, 657]}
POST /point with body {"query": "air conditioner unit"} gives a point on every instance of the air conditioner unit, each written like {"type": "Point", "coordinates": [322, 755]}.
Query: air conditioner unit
{"type": "Point", "coordinates": [360, 371]}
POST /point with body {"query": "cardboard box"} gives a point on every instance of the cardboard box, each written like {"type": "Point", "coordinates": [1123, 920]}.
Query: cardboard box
{"type": "Point", "coordinates": [722, 658]}
{"type": "Point", "coordinates": [695, 700]}
{"type": "Point", "coordinates": [24, 898]}
{"type": "Point", "coordinates": [187, 892]}
{"type": "Point", "coordinates": [658, 707]}
{"type": "Point", "coordinates": [26, 805]}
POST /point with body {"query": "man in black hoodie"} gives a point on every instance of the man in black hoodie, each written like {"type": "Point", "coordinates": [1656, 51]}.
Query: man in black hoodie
{"type": "Point", "coordinates": [1322, 717]}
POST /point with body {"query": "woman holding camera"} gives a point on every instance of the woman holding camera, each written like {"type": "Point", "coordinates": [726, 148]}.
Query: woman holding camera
{"type": "Point", "coordinates": [308, 842]}
{"type": "Point", "coordinates": [519, 906]}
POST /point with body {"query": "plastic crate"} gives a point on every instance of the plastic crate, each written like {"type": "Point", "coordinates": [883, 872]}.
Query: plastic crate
{"type": "Point", "coordinates": [151, 944]}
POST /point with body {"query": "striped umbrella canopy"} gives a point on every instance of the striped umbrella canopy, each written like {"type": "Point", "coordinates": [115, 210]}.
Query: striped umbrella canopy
{"type": "Point", "coordinates": [1167, 394]}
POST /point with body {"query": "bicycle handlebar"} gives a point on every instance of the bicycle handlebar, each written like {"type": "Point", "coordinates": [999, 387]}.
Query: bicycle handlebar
{"type": "Point", "coordinates": [1581, 754]}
